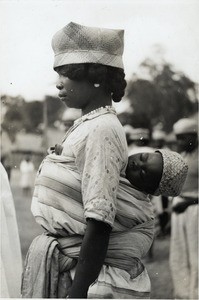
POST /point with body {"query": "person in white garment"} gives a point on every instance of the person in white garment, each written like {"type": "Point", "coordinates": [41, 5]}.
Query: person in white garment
{"type": "Point", "coordinates": [11, 260]}
{"type": "Point", "coordinates": [184, 220]}
{"type": "Point", "coordinates": [27, 174]}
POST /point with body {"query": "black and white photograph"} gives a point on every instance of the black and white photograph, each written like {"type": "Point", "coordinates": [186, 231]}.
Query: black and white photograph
{"type": "Point", "coordinates": [99, 149]}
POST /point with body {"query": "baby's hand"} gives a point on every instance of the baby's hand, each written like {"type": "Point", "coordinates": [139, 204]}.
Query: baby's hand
{"type": "Point", "coordinates": [51, 150]}
{"type": "Point", "coordinates": [58, 149]}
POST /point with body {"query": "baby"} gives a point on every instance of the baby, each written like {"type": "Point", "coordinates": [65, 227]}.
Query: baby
{"type": "Point", "coordinates": [162, 172]}
{"type": "Point", "coordinates": [58, 206]}
{"type": "Point", "coordinates": [57, 200]}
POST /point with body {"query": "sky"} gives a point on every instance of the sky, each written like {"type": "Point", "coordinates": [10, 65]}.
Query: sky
{"type": "Point", "coordinates": [27, 27]}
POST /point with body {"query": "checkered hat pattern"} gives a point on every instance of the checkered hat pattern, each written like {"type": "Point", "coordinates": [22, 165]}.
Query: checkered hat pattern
{"type": "Point", "coordinates": [76, 43]}
{"type": "Point", "coordinates": [174, 174]}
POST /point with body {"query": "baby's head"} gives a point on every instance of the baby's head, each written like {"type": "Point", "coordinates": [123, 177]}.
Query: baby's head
{"type": "Point", "coordinates": [162, 172]}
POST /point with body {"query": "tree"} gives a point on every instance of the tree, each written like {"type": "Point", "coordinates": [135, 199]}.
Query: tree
{"type": "Point", "coordinates": [20, 115]}
{"type": "Point", "coordinates": [33, 116]}
{"type": "Point", "coordinates": [164, 97]}
{"type": "Point", "coordinates": [144, 97]}
{"type": "Point", "coordinates": [12, 121]}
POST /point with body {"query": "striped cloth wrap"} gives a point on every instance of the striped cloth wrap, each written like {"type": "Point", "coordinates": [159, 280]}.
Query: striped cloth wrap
{"type": "Point", "coordinates": [57, 206]}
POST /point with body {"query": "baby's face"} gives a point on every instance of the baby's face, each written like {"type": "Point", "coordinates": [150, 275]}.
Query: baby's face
{"type": "Point", "coordinates": [144, 171]}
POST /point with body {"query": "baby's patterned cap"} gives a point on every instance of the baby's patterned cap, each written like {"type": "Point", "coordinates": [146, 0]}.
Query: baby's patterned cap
{"type": "Point", "coordinates": [174, 173]}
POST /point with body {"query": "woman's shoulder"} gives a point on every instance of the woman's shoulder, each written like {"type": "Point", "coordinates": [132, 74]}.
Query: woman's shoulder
{"type": "Point", "coordinates": [106, 123]}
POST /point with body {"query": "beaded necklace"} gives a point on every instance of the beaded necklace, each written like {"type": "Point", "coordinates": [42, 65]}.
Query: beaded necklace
{"type": "Point", "coordinates": [106, 109]}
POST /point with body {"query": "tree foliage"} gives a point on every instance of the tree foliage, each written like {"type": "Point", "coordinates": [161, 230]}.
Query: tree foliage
{"type": "Point", "coordinates": [163, 98]}
{"type": "Point", "coordinates": [13, 116]}
{"type": "Point", "coordinates": [25, 116]}
{"type": "Point", "coordinates": [33, 116]}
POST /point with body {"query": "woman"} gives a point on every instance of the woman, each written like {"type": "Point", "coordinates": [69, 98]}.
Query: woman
{"type": "Point", "coordinates": [93, 142]}
{"type": "Point", "coordinates": [90, 251]}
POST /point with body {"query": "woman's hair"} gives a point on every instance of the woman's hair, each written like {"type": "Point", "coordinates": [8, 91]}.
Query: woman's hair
{"type": "Point", "coordinates": [112, 78]}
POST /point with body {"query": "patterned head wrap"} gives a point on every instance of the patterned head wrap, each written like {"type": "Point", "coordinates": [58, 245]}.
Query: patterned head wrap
{"type": "Point", "coordinates": [76, 43]}
{"type": "Point", "coordinates": [174, 174]}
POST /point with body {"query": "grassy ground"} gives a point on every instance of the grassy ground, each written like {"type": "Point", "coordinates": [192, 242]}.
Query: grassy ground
{"type": "Point", "coordinates": [158, 268]}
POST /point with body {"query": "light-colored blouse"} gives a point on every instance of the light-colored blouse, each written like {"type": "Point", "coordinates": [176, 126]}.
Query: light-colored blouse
{"type": "Point", "coordinates": [98, 145]}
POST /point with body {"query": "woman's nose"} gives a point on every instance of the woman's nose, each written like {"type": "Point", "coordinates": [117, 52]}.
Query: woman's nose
{"type": "Point", "coordinates": [59, 85]}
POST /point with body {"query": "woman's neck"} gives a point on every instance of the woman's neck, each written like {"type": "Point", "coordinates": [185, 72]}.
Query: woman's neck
{"type": "Point", "coordinates": [100, 101]}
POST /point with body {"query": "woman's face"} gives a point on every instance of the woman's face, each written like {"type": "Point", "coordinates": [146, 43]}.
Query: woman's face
{"type": "Point", "coordinates": [144, 171]}
{"type": "Point", "coordinates": [73, 93]}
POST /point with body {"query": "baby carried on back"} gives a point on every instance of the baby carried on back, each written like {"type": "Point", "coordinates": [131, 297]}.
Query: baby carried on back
{"type": "Point", "coordinates": [58, 207]}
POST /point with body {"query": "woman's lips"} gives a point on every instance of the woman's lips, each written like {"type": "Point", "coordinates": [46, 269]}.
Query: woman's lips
{"type": "Point", "coordinates": [63, 97]}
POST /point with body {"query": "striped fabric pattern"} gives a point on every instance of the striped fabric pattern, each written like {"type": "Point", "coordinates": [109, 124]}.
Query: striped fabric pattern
{"type": "Point", "coordinates": [57, 206]}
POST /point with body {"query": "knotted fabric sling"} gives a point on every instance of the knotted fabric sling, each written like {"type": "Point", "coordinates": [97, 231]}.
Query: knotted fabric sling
{"type": "Point", "coordinates": [57, 206]}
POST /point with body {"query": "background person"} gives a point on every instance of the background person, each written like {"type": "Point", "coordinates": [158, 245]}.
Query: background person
{"type": "Point", "coordinates": [27, 174]}
{"type": "Point", "coordinates": [184, 220]}
{"type": "Point", "coordinates": [6, 162]}
{"type": "Point", "coordinates": [11, 260]}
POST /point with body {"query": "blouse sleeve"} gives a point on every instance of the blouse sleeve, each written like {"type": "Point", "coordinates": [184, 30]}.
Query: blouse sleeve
{"type": "Point", "coordinates": [100, 165]}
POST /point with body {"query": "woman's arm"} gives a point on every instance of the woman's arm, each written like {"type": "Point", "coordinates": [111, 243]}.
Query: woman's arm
{"type": "Point", "coordinates": [100, 161]}
{"type": "Point", "coordinates": [92, 254]}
